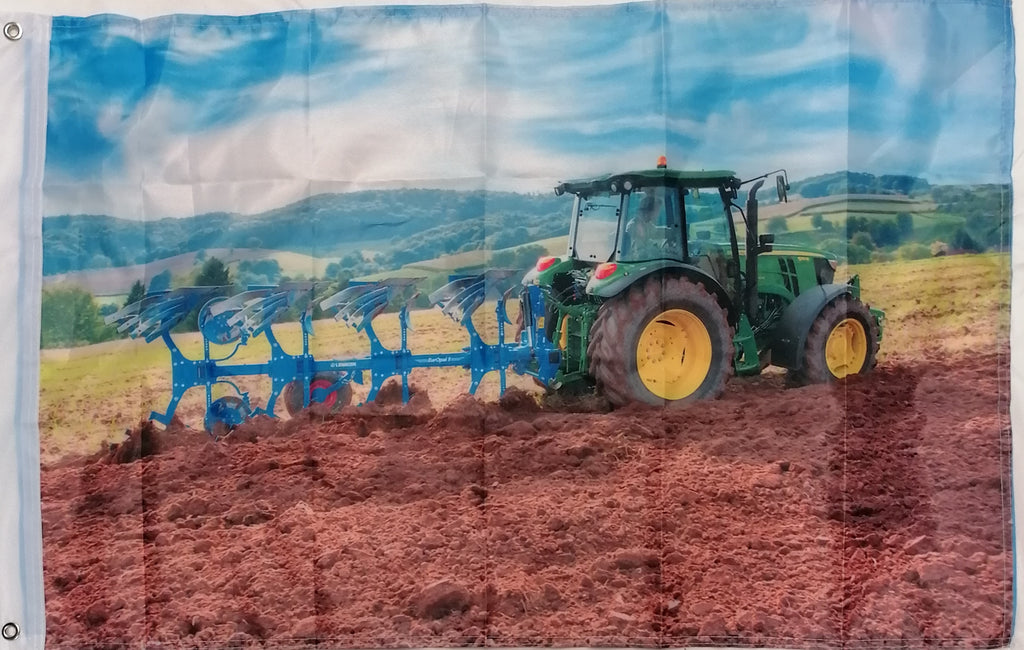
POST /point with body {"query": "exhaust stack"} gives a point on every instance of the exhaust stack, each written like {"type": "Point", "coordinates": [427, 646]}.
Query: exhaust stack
{"type": "Point", "coordinates": [753, 248]}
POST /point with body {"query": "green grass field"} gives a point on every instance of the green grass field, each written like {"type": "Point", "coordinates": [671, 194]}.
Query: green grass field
{"type": "Point", "coordinates": [802, 222]}
{"type": "Point", "coordinates": [940, 306]}
{"type": "Point", "coordinates": [935, 308]}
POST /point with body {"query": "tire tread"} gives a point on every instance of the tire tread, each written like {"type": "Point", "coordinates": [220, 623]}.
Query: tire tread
{"type": "Point", "coordinates": [610, 354]}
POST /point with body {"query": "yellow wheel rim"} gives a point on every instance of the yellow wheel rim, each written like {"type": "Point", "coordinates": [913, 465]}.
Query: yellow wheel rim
{"type": "Point", "coordinates": [673, 355]}
{"type": "Point", "coordinates": [846, 348]}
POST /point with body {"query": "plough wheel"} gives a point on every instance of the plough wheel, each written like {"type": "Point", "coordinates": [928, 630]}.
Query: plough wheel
{"type": "Point", "coordinates": [843, 341]}
{"type": "Point", "coordinates": [664, 341]}
{"type": "Point", "coordinates": [334, 402]}
{"type": "Point", "coordinates": [216, 329]}
{"type": "Point", "coordinates": [225, 414]}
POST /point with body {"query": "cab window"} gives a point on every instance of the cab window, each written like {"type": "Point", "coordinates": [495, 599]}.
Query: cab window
{"type": "Point", "coordinates": [652, 227]}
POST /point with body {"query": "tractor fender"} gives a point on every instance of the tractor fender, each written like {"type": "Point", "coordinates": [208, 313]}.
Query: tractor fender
{"type": "Point", "coordinates": [795, 324]}
{"type": "Point", "coordinates": [621, 283]}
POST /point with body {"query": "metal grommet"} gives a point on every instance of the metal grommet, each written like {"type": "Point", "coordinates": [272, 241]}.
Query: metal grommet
{"type": "Point", "coordinates": [10, 631]}
{"type": "Point", "coordinates": [12, 31]}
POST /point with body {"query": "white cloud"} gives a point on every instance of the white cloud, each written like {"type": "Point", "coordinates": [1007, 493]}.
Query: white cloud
{"type": "Point", "coordinates": [517, 104]}
{"type": "Point", "coordinates": [432, 134]}
{"type": "Point", "coordinates": [739, 140]}
{"type": "Point", "coordinates": [826, 39]}
{"type": "Point", "coordinates": [521, 167]}
{"type": "Point", "coordinates": [430, 119]}
{"type": "Point", "coordinates": [152, 8]}
{"type": "Point", "coordinates": [925, 45]}
{"type": "Point", "coordinates": [426, 121]}
{"type": "Point", "coordinates": [122, 28]}
{"type": "Point", "coordinates": [110, 119]}
{"type": "Point", "coordinates": [121, 199]}
{"type": "Point", "coordinates": [895, 35]}
{"type": "Point", "coordinates": [821, 100]}
{"type": "Point", "coordinates": [191, 41]}
{"type": "Point", "coordinates": [424, 124]}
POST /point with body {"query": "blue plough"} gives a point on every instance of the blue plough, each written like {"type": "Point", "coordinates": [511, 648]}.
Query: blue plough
{"type": "Point", "coordinates": [302, 380]}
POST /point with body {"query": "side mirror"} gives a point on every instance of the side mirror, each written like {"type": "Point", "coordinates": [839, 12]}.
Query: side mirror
{"type": "Point", "coordinates": [782, 187]}
{"type": "Point", "coordinates": [764, 243]}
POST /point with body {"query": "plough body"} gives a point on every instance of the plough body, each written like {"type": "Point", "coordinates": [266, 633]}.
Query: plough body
{"type": "Point", "coordinates": [304, 380]}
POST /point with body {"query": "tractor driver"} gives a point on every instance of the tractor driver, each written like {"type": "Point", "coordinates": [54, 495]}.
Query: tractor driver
{"type": "Point", "coordinates": [645, 222]}
{"type": "Point", "coordinates": [644, 238]}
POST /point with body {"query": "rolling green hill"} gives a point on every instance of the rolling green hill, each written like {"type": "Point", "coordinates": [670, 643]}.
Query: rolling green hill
{"type": "Point", "coordinates": [366, 233]}
{"type": "Point", "coordinates": [117, 281]}
{"type": "Point", "coordinates": [406, 225]}
{"type": "Point", "coordinates": [434, 233]}
{"type": "Point", "coordinates": [849, 182]}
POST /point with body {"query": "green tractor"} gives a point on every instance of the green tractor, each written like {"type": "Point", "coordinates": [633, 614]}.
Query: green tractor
{"type": "Point", "coordinates": [659, 299]}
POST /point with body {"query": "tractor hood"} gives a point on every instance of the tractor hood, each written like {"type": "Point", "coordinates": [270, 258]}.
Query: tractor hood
{"type": "Point", "coordinates": [792, 249]}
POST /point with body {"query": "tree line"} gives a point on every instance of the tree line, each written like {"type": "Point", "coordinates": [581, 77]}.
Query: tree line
{"type": "Point", "coordinates": [70, 315]}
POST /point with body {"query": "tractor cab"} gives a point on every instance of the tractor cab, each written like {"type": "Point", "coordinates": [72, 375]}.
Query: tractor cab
{"type": "Point", "coordinates": [651, 218]}
{"type": "Point", "coordinates": [637, 216]}
{"type": "Point", "coordinates": [645, 224]}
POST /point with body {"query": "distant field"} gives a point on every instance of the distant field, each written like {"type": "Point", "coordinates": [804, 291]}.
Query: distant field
{"type": "Point", "coordinates": [468, 260]}
{"type": "Point", "coordinates": [937, 307]}
{"type": "Point", "coordinates": [802, 222]}
{"type": "Point", "coordinates": [865, 203]}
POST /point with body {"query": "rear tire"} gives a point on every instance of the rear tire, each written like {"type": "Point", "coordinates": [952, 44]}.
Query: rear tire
{"type": "Point", "coordinates": [843, 341]}
{"type": "Point", "coordinates": [293, 398]}
{"type": "Point", "coordinates": [639, 334]}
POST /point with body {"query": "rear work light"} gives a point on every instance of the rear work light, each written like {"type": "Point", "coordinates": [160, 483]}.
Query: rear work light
{"type": "Point", "coordinates": [545, 263]}
{"type": "Point", "coordinates": [604, 270]}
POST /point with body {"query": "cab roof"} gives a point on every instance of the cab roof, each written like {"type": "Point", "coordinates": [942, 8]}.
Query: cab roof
{"type": "Point", "coordinates": [652, 177]}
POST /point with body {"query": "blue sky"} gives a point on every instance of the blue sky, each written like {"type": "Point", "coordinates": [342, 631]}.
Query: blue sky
{"type": "Point", "coordinates": [187, 114]}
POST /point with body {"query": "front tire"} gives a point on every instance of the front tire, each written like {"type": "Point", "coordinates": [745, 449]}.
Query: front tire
{"type": "Point", "coordinates": [665, 342]}
{"type": "Point", "coordinates": [843, 341]}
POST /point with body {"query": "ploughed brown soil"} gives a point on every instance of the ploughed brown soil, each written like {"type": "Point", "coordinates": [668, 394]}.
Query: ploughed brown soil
{"type": "Point", "coordinates": [874, 512]}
